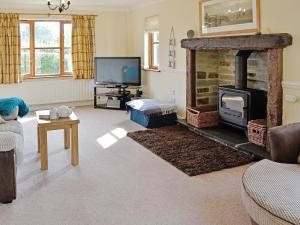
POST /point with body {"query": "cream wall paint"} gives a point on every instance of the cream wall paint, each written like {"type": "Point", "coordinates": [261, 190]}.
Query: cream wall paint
{"type": "Point", "coordinates": [111, 40]}
{"type": "Point", "coordinates": [183, 16]}
{"type": "Point", "coordinates": [276, 16]}
{"type": "Point", "coordinates": [121, 33]}
{"type": "Point", "coordinates": [283, 16]}
{"type": "Point", "coordinates": [112, 33]}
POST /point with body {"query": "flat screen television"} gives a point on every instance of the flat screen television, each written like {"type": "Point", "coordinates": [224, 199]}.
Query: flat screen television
{"type": "Point", "coordinates": [118, 71]}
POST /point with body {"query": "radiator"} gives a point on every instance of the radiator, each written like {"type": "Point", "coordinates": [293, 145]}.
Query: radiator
{"type": "Point", "coordinates": [50, 91]}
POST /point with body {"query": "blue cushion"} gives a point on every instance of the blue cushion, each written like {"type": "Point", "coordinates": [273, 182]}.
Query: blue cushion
{"type": "Point", "coordinates": [7, 106]}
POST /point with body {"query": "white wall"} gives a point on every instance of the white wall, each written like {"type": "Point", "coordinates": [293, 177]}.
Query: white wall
{"type": "Point", "coordinates": [276, 16]}
{"type": "Point", "coordinates": [111, 40]}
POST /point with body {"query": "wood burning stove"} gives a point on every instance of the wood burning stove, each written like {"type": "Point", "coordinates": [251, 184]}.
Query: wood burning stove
{"type": "Point", "coordinates": [239, 104]}
{"type": "Point", "coordinates": [237, 107]}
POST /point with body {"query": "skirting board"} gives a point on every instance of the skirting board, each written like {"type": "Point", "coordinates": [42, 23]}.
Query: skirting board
{"type": "Point", "coordinates": [70, 104]}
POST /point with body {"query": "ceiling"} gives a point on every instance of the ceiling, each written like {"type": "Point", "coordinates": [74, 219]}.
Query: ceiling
{"type": "Point", "coordinates": [78, 4]}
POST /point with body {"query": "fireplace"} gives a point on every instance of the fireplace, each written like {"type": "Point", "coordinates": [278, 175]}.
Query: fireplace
{"type": "Point", "coordinates": [239, 104]}
{"type": "Point", "coordinates": [270, 44]}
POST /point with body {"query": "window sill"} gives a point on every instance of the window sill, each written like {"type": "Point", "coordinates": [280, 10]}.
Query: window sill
{"type": "Point", "coordinates": [47, 78]}
{"type": "Point", "coordinates": [152, 70]}
{"type": "Point", "coordinates": [42, 77]}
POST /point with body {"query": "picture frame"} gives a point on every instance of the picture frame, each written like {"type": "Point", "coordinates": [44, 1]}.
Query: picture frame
{"type": "Point", "coordinates": [227, 17]}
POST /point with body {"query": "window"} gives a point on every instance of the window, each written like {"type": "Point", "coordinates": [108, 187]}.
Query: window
{"type": "Point", "coordinates": [46, 48]}
{"type": "Point", "coordinates": [151, 56]}
{"type": "Point", "coordinates": [153, 50]}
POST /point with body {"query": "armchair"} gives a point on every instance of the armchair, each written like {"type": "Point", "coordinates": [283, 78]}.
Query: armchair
{"type": "Point", "coordinates": [270, 189]}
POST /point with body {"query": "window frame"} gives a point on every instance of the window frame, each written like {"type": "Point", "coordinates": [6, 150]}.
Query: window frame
{"type": "Point", "coordinates": [32, 49]}
{"type": "Point", "coordinates": [151, 44]}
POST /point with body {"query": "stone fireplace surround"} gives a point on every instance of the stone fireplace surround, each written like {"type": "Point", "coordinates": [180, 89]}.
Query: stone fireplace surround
{"type": "Point", "coordinates": [210, 63]}
{"type": "Point", "coordinates": [217, 68]}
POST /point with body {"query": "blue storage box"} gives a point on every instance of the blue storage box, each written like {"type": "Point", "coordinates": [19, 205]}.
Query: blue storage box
{"type": "Point", "coordinates": [153, 121]}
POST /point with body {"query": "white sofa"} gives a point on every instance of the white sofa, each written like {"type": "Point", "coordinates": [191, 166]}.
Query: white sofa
{"type": "Point", "coordinates": [11, 155]}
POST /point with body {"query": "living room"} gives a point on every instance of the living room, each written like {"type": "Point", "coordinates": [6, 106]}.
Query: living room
{"type": "Point", "coordinates": [123, 167]}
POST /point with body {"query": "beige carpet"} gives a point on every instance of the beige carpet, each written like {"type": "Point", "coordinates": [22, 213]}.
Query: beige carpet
{"type": "Point", "coordinates": [118, 182]}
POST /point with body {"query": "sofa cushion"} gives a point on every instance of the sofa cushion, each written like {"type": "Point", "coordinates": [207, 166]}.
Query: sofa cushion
{"type": "Point", "coordinates": [12, 126]}
{"type": "Point", "coordinates": [275, 187]}
{"type": "Point", "coordinates": [12, 141]}
{"type": "Point", "coordinates": [1, 120]}
{"type": "Point", "coordinates": [7, 105]}
{"type": "Point", "coordinates": [13, 115]}
{"type": "Point", "coordinates": [8, 141]}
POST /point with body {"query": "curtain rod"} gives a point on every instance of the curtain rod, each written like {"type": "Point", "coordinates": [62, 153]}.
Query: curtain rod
{"type": "Point", "coordinates": [49, 14]}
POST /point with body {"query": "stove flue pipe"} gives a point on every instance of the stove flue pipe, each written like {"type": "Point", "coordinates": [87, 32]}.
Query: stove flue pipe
{"type": "Point", "coordinates": [241, 69]}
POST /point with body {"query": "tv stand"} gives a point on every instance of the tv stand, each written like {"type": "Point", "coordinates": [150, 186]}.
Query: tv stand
{"type": "Point", "coordinates": [115, 98]}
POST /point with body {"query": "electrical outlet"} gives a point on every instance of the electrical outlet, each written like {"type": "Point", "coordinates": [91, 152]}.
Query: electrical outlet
{"type": "Point", "coordinates": [291, 98]}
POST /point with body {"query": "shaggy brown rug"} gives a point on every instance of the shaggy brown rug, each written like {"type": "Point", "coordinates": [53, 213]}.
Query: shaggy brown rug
{"type": "Point", "coordinates": [189, 152]}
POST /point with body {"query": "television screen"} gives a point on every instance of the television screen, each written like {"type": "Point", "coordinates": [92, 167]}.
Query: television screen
{"type": "Point", "coordinates": [118, 71]}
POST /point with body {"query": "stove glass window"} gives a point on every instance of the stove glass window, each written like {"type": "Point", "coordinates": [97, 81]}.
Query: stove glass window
{"type": "Point", "coordinates": [233, 102]}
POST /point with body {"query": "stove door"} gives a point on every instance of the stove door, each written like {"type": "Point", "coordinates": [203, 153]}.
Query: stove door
{"type": "Point", "coordinates": [234, 103]}
{"type": "Point", "coordinates": [233, 108]}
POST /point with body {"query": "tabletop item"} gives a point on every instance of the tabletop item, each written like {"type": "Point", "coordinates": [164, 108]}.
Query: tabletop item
{"type": "Point", "coordinates": [54, 114]}
{"type": "Point", "coordinates": [64, 111]}
{"type": "Point", "coordinates": [60, 112]}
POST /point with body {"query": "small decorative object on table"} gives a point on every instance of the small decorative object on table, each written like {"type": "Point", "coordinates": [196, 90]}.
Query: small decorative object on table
{"type": "Point", "coordinates": [53, 114]}
{"type": "Point", "coordinates": [60, 112]}
{"type": "Point", "coordinates": [64, 111]}
{"type": "Point", "coordinates": [202, 117]}
{"type": "Point", "coordinates": [257, 132]}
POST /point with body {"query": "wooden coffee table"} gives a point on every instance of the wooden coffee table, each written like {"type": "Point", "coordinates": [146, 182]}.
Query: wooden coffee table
{"type": "Point", "coordinates": [66, 124]}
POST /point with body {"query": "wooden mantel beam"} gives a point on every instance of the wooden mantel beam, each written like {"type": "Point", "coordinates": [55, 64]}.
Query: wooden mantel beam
{"type": "Point", "coordinates": [259, 42]}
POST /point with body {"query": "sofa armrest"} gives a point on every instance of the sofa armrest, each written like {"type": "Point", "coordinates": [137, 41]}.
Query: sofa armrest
{"type": "Point", "coordinates": [285, 143]}
{"type": "Point", "coordinates": [7, 141]}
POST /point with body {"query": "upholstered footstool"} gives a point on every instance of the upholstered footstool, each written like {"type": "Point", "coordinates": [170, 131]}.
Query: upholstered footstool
{"type": "Point", "coordinates": [271, 193]}
{"type": "Point", "coordinates": [151, 113]}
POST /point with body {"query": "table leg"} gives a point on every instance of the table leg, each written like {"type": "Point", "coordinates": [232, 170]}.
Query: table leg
{"type": "Point", "coordinates": [75, 158]}
{"type": "Point", "coordinates": [67, 137]}
{"type": "Point", "coordinates": [39, 138]}
{"type": "Point", "coordinates": [44, 149]}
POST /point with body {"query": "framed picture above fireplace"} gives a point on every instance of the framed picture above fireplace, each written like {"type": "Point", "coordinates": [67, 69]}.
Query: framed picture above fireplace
{"type": "Point", "coordinates": [227, 17]}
